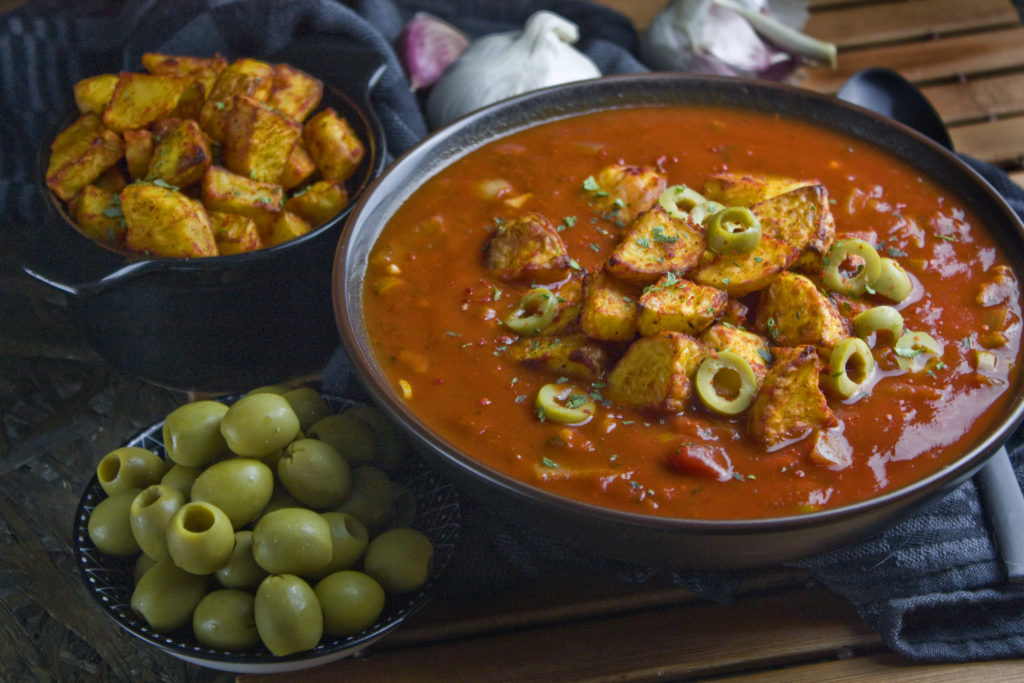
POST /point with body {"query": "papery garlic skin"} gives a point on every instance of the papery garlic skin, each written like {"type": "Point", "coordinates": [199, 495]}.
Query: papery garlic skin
{"type": "Point", "coordinates": [502, 65]}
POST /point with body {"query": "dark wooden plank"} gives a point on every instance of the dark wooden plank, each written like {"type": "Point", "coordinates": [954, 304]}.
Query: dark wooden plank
{"type": "Point", "coordinates": [943, 59]}
{"type": "Point", "coordinates": [998, 142]}
{"type": "Point", "coordinates": [891, 22]}
{"type": "Point", "coordinates": [888, 668]}
{"type": "Point", "coordinates": [978, 99]}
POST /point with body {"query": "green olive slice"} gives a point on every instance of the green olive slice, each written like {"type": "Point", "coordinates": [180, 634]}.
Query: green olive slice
{"type": "Point", "coordinates": [851, 266]}
{"type": "Point", "coordinates": [892, 281]}
{"type": "Point", "coordinates": [702, 212]}
{"type": "Point", "coordinates": [680, 200]}
{"type": "Point", "coordinates": [914, 349]}
{"type": "Point", "coordinates": [562, 403]}
{"type": "Point", "coordinates": [878, 319]}
{"type": "Point", "coordinates": [733, 230]}
{"type": "Point", "coordinates": [534, 312]}
{"type": "Point", "coordinates": [851, 365]}
{"type": "Point", "coordinates": [726, 384]}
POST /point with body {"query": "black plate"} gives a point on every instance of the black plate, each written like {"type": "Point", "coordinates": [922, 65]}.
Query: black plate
{"type": "Point", "coordinates": [109, 578]}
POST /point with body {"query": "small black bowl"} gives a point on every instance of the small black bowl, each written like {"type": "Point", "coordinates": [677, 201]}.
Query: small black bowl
{"type": "Point", "coordinates": [220, 324]}
{"type": "Point", "coordinates": [109, 578]}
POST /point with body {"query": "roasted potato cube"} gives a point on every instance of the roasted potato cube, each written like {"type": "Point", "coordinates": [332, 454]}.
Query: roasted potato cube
{"type": "Point", "coordinates": [297, 169]}
{"type": "Point", "coordinates": [655, 373]}
{"type": "Point", "coordinates": [231, 193]}
{"type": "Point", "coordinates": [526, 248]}
{"type": "Point", "coordinates": [319, 202]}
{"type": "Point", "coordinates": [286, 226]}
{"type": "Point", "coordinates": [569, 304]}
{"type": "Point", "coordinates": [656, 244]}
{"type": "Point", "coordinates": [205, 70]}
{"type": "Point", "coordinates": [249, 77]}
{"type": "Point", "coordinates": [741, 274]}
{"type": "Point", "coordinates": [111, 180]}
{"type": "Point", "coordinates": [97, 213]}
{"type": "Point", "coordinates": [138, 150]}
{"type": "Point", "coordinates": [793, 312]}
{"type": "Point", "coordinates": [190, 104]}
{"type": "Point", "coordinates": [679, 305]}
{"type": "Point", "coordinates": [333, 145]}
{"type": "Point", "coordinates": [79, 154]}
{"type": "Point", "coordinates": [790, 405]}
{"type": "Point", "coordinates": [736, 313]}
{"type": "Point", "coordinates": [622, 192]}
{"type": "Point", "coordinates": [744, 189]}
{"type": "Point", "coordinates": [258, 140]}
{"type": "Point", "coordinates": [569, 356]}
{"type": "Point", "coordinates": [182, 156]}
{"type": "Point", "coordinates": [139, 99]}
{"type": "Point", "coordinates": [92, 95]}
{"type": "Point", "coordinates": [749, 346]}
{"type": "Point", "coordinates": [165, 222]}
{"type": "Point", "coordinates": [801, 218]}
{"type": "Point", "coordinates": [295, 93]}
{"type": "Point", "coordinates": [609, 308]}
{"type": "Point", "coordinates": [234, 233]}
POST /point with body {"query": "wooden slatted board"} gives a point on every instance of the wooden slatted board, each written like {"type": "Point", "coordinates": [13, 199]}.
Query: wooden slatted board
{"type": "Point", "coordinates": [967, 56]}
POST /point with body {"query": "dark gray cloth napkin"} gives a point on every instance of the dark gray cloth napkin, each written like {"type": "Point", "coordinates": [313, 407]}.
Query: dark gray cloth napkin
{"type": "Point", "coordinates": [932, 585]}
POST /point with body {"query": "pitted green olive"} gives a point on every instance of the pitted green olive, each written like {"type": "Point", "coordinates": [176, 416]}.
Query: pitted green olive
{"type": "Point", "coordinates": [389, 449]}
{"type": "Point", "coordinates": [192, 434]}
{"type": "Point", "coordinates": [181, 478]}
{"type": "Point", "coordinates": [129, 467]}
{"type": "Point", "coordinates": [315, 473]}
{"type": "Point", "coordinates": [200, 538]}
{"type": "Point", "coordinates": [915, 349]}
{"type": "Point", "coordinates": [892, 281]}
{"type": "Point", "coordinates": [349, 538]}
{"type": "Point", "coordinates": [400, 560]}
{"type": "Point", "coordinates": [680, 200]}
{"type": "Point", "coordinates": [259, 424]}
{"type": "Point", "coordinates": [351, 602]}
{"type": "Point", "coordinates": [240, 487]}
{"type": "Point", "coordinates": [370, 498]}
{"type": "Point", "coordinates": [733, 230]}
{"type": "Point", "coordinates": [350, 436]}
{"type": "Point", "coordinates": [308, 404]}
{"type": "Point", "coordinates": [288, 615]}
{"type": "Point", "coordinates": [850, 366]}
{"type": "Point", "coordinates": [562, 403]}
{"type": "Point", "coordinates": [850, 267]}
{"type": "Point", "coordinates": [292, 541]}
{"type": "Point", "coordinates": [533, 313]}
{"type": "Point", "coordinates": [877, 320]}
{"type": "Point", "coordinates": [240, 569]}
{"type": "Point", "coordinates": [726, 384]}
{"type": "Point", "coordinates": [110, 524]}
{"type": "Point", "coordinates": [143, 563]}
{"type": "Point", "coordinates": [149, 515]}
{"type": "Point", "coordinates": [226, 619]}
{"type": "Point", "coordinates": [166, 596]}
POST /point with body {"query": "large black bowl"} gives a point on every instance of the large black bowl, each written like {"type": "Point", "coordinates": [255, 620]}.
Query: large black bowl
{"type": "Point", "coordinates": [631, 536]}
{"type": "Point", "coordinates": [225, 323]}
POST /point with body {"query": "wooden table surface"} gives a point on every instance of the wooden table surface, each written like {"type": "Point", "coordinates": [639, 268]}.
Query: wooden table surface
{"type": "Point", "coordinates": [63, 408]}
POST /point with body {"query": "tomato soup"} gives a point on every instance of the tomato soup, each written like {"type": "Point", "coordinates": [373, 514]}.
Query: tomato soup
{"type": "Point", "coordinates": [438, 309]}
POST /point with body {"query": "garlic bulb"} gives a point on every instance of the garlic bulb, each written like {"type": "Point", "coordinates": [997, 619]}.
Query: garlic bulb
{"type": "Point", "coordinates": [501, 65]}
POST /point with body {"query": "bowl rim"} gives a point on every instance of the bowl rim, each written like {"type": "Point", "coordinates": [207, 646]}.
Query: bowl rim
{"type": "Point", "coordinates": [623, 90]}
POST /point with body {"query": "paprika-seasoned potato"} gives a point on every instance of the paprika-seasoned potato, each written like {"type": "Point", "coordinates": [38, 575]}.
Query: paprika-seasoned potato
{"type": "Point", "coordinates": [229, 134]}
{"type": "Point", "coordinates": [258, 140]}
{"type": "Point", "coordinates": [164, 221]}
{"type": "Point", "coordinates": [333, 145]}
{"type": "Point", "coordinates": [139, 99]}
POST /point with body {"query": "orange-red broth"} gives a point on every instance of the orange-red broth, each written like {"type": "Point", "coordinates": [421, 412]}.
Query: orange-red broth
{"type": "Point", "coordinates": [433, 317]}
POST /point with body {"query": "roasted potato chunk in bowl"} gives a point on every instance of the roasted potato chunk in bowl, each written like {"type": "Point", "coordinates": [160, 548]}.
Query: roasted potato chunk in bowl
{"type": "Point", "coordinates": [194, 260]}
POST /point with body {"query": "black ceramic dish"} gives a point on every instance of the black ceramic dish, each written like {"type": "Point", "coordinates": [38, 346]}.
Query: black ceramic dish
{"type": "Point", "coordinates": [636, 537]}
{"type": "Point", "coordinates": [109, 578]}
{"type": "Point", "coordinates": [225, 323]}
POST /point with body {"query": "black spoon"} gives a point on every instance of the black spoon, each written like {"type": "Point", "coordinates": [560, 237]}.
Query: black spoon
{"type": "Point", "coordinates": [888, 93]}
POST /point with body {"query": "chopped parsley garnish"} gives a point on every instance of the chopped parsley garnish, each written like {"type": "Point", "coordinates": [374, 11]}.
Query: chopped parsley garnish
{"type": "Point", "coordinates": [548, 462]}
{"type": "Point", "coordinates": [661, 236]}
